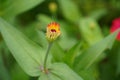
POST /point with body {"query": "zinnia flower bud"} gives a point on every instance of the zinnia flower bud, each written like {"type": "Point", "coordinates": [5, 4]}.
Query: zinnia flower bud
{"type": "Point", "coordinates": [115, 26]}
{"type": "Point", "coordinates": [53, 31]}
{"type": "Point", "coordinates": [53, 7]}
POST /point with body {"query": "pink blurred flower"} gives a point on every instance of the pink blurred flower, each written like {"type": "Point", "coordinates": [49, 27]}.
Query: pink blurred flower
{"type": "Point", "coordinates": [115, 25]}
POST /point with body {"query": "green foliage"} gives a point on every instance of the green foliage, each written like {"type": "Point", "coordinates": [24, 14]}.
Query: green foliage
{"type": "Point", "coordinates": [72, 53]}
{"type": "Point", "coordinates": [87, 58]}
{"type": "Point", "coordinates": [58, 56]}
{"type": "Point", "coordinates": [70, 10]}
{"type": "Point", "coordinates": [90, 30]}
{"type": "Point", "coordinates": [15, 7]}
{"type": "Point", "coordinates": [27, 53]}
{"type": "Point", "coordinates": [60, 71]}
{"type": "Point", "coordinates": [80, 53]}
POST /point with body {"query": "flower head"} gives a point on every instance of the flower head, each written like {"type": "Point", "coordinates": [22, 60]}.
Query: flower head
{"type": "Point", "coordinates": [53, 31]}
{"type": "Point", "coordinates": [115, 26]}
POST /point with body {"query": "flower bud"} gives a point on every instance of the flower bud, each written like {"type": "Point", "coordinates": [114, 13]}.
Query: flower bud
{"type": "Point", "coordinates": [53, 31]}
{"type": "Point", "coordinates": [53, 7]}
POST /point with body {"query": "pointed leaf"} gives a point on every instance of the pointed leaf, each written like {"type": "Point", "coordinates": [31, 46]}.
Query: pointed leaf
{"type": "Point", "coordinates": [27, 53]}
{"type": "Point", "coordinates": [87, 58]}
{"type": "Point", "coordinates": [72, 53]}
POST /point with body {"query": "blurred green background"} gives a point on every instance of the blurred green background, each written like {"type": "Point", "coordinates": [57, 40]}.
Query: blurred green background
{"type": "Point", "coordinates": [87, 21]}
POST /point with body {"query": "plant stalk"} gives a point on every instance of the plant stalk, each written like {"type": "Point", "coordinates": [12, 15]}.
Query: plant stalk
{"type": "Point", "coordinates": [46, 56]}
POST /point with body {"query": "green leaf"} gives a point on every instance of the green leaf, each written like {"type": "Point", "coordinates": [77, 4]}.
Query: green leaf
{"type": "Point", "coordinates": [19, 6]}
{"type": "Point", "coordinates": [33, 32]}
{"type": "Point", "coordinates": [65, 72]}
{"type": "Point", "coordinates": [42, 37]}
{"type": "Point", "coordinates": [113, 61]}
{"type": "Point", "coordinates": [27, 53]}
{"type": "Point", "coordinates": [90, 30]}
{"type": "Point", "coordinates": [60, 71]}
{"type": "Point", "coordinates": [70, 10]}
{"type": "Point", "coordinates": [57, 52]}
{"type": "Point", "coordinates": [87, 58]}
{"type": "Point", "coordinates": [72, 53]}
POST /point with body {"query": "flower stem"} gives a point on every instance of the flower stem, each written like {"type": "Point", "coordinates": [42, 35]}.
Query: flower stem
{"type": "Point", "coordinates": [46, 56]}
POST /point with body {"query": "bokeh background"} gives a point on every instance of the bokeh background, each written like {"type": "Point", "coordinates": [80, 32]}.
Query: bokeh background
{"type": "Point", "coordinates": [88, 21]}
